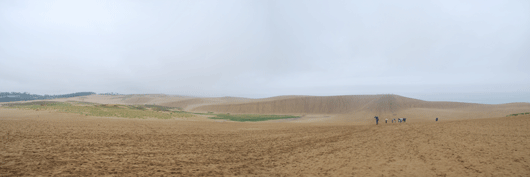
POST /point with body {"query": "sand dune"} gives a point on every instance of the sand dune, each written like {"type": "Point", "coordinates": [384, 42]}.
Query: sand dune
{"type": "Point", "coordinates": [127, 99]}
{"type": "Point", "coordinates": [348, 108]}
{"type": "Point", "coordinates": [185, 102]}
{"type": "Point", "coordinates": [335, 137]}
{"type": "Point", "coordinates": [188, 104]}
{"type": "Point", "coordinates": [304, 104]}
{"type": "Point", "coordinates": [364, 107]}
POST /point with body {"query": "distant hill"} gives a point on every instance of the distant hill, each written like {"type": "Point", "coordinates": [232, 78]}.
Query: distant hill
{"type": "Point", "coordinates": [367, 106]}
{"type": "Point", "coordinates": [324, 105]}
{"type": "Point", "coordinates": [16, 96]}
{"type": "Point", "coordinates": [340, 108]}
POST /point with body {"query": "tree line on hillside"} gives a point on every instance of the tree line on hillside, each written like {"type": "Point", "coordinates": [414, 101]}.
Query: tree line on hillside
{"type": "Point", "coordinates": [110, 93]}
{"type": "Point", "coordinates": [17, 96]}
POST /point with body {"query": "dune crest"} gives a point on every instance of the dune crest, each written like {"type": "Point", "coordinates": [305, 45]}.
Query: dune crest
{"type": "Point", "coordinates": [344, 108]}
{"type": "Point", "coordinates": [366, 105]}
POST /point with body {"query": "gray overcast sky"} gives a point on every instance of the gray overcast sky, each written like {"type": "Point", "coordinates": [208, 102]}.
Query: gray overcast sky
{"type": "Point", "coordinates": [432, 50]}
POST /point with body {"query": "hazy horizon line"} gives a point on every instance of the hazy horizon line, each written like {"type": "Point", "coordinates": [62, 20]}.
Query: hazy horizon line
{"type": "Point", "coordinates": [464, 97]}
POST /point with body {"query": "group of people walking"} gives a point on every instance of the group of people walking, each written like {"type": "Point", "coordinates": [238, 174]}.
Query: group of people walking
{"type": "Point", "coordinates": [400, 120]}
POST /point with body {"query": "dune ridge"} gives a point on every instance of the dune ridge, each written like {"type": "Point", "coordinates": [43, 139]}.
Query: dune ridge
{"type": "Point", "coordinates": [366, 106]}
{"type": "Point", "coordinates": [342, 108]}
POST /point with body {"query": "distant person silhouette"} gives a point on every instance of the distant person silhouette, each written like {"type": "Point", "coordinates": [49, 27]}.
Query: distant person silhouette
{"type": "Point", "coordinates": [404, 119]}
{"type": "Point", "coordinates": [437, 119]}
{"type": "Point", "coordinates": [376, 120]}
{"type": "Point", "coordinates": [386, 121]}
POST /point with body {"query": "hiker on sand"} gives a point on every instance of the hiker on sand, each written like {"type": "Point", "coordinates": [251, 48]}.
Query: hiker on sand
{"type": "Point", "coordinates": [404, 119]}
{"type": "Point", "coordinates": [386, 120]}
{"type": "Point", "coordinates": [376, 120]}
{"type": "Point", "coordinates": [437, 119]}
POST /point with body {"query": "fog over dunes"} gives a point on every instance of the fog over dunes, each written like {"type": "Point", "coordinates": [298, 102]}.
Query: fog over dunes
{"type": "Point", "coordinates": [471, 51]}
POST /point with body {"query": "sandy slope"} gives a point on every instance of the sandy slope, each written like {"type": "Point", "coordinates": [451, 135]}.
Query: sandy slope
{"type": "Point", "coordinates": [189, 104]}
{"type": "Point", "coordinates": [127, 99]}
{"type": "Point", "coordinates": [159, 99]}
{"type": "Point", "coordinates": [349, 108]}
{"type": "Point", "coordinates": [365, 107]}
{"type": "Point", "coordinates": [58, 144]}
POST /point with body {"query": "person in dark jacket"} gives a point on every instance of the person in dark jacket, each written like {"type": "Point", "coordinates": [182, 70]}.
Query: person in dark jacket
{"type": "Point", "coordinates": [376, 120]}
{"type": "Point", "coordinates": [437, 119]}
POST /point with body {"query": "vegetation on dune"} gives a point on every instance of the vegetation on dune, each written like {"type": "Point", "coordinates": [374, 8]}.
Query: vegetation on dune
{"type": "Point", "coordinates": [31, 103]}
{"type": "Point", "coordinates": [138, 107]}
{"type": "Point", "coordinates": [158, 108]}
{"type": "Point", "coordinates": [104, 110]}
{"type": "Point", "coordinates": [81, 102]}
{"type": "Point", "coordinates": [251, 117]}
{"type": "Point", "coordinates": [525, 113]}
{"type": "Point", "coordinates": [247, 117]}
{"type": "Point", "coordinates": [136, 111]}
{"type": "Point", "coordinates": [182, 112]}
{"type": "Point", "coordinates": [209, 113]}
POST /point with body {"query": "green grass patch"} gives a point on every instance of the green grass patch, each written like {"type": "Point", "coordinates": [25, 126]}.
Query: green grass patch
{"type": "Point", "coordinates": [251, 117]}
{"type": "Point", "coordinates": [182, 112]}
{"type": "Point", "coordinates": [31, 103]}
{"type": "Point", "coordinates": [209, 113]}
{"type": "Point", "coordinates": [518, 114]}
{"type": "Point", "coordinates": [158, 108]}
{"type": "Point", "coordinates": [102, 110]}
{"type": "Point", "coordinates": [142, 108]}
{"type": "Point", "coordinates": [81, 102]}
